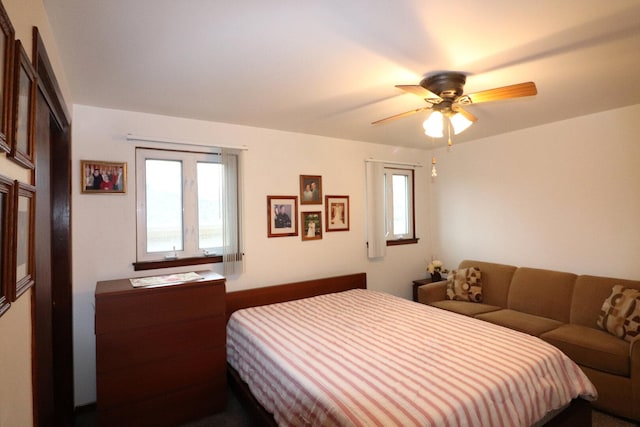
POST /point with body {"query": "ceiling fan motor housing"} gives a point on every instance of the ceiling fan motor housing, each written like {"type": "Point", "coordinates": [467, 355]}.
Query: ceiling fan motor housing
{"type": "Point", "coordinates": [445, 85]}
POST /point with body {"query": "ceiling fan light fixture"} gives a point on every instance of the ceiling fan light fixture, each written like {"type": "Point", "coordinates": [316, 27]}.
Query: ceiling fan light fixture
{"type": "Point", "coordinates": [459, 122]}
{"type": "Point", "coordinates": [433, 125]}
{"type": "Point", "coordinates": [444, 94]}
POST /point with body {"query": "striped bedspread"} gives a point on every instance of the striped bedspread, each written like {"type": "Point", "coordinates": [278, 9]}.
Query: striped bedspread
{"type": "Point", "coordinates": [365, 358]}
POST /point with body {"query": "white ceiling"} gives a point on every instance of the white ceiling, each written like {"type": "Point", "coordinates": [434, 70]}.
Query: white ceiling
{"type": "Point", "coordinates": [328, 67]}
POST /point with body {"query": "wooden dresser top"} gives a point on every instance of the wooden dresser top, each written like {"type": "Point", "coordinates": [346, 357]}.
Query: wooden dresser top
{"type": "Point", "coordinates": [119, 286]}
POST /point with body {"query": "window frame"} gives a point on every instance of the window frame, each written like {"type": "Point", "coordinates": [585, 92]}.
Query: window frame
{"type": "Point", "coordinates": [406, 238]}
{"type": "Point", "coordinates": [191, 254]}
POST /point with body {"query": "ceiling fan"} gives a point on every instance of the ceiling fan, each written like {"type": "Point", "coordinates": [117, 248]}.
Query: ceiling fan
{"type": "Point", "coordinates": [444, 94]}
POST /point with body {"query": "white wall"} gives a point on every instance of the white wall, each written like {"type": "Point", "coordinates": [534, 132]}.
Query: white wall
{"type": "Point", "coordinates": [104, 225]}
{"type": "Point", "coordinates": [16, 405]}
{"type": "Point", "coordinates": [562, 196]}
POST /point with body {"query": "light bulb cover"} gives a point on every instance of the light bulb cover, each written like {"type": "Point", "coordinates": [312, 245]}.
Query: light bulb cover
{"type": "Point", "coordinates": [459, 122]}
{"type": "Point", "coordinates": [434, 126]}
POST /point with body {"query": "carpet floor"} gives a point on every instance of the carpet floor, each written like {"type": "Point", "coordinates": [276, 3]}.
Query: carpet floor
{"type": "Point", "coordinates": [236, 416]}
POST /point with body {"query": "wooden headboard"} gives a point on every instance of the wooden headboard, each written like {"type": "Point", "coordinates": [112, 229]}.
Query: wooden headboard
{"type": "Point", "coordinates": [292, 291]}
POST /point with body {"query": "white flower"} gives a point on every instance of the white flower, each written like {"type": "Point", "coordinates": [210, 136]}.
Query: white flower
{"type": "Point", "coordinates": [434, 265]}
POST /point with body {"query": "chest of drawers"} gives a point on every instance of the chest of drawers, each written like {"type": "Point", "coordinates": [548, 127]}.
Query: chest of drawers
{"type": "Point", "coordinates": [160, 352]}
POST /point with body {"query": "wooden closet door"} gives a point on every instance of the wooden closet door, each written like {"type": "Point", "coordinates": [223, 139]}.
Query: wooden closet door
{"type": "Point", "coordinates": [52, 312]}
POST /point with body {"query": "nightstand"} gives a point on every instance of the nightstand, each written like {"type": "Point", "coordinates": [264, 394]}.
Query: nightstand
{"type": "Point", "coordinates": [417, 284]}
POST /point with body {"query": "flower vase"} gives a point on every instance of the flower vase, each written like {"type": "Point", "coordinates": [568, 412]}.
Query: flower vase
{"type": "Point", "coordinates": [435, 276]}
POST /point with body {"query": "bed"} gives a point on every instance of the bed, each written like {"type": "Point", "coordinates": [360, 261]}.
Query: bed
{"type": "Point", "coordinates": [353, 356]}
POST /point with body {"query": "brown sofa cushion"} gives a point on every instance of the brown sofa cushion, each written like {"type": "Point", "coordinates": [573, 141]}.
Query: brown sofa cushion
{"type": "Point", "coordinates": [591, 347]}
{"type": "Point", "coordinates": [495, 280]}
{"type": "Point", "coordinates": [465, 307]}
{"type": "Point", "coordinates": [620, 313]}
{"type": "Point", "coordinates": [545, 293]}
{"type": "Point", "coordinates": [465, 284]}
{"type": "Point", "coordinates": [523, 322]}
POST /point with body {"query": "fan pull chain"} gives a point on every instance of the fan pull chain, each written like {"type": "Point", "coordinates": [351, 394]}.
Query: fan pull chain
{"type": "Point", "coordinates": [449, 133]}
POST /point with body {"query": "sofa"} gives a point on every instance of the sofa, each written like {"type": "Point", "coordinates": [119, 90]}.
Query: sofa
{"type": "Point", "coordinates": [562, 309]}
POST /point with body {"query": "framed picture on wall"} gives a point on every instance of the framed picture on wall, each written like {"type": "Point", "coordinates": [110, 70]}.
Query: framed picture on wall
{"type": "Point", "coordinates": [6, 204]}
{"type": "Point", "coordinates": [311, 225]}
{"type": "Point", "coordinates": [337, 213]}
{"type": "Point", "coordinates": [24, 98]}
{"type": "Point", "coordinates": [282, 216]}
{"type": "Point", "coordinates": [23, 237]}
{"type": "Point", "coordinates": [310, 190]}
{"type": "Point", "coordinates": [100, 177]}
{"type": "Point", "coordinates": [7, 36]}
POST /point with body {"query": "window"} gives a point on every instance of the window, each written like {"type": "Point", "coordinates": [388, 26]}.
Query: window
{"type": "Point", "coordinates": [399, 212]}
{"type": "Point", "coordinates": [390, 207]}
{"type": "Point", "coordinates": [180, 212]}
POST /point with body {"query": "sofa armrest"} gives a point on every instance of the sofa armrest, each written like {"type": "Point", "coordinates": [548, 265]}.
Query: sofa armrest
{"type": "Point", "coordinates": [432, 292]}
{"type": "Point", "coordinates": [634, 357]}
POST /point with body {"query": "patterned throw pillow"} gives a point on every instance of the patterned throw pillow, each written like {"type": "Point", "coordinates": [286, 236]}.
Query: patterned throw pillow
{"type": "Point", "coordinates": [620, 313]}
{"type": "Point", "coordinates": [464, 285]}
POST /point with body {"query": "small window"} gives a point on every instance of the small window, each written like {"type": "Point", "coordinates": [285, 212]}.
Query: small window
{"type": "Point", "coordinates": [399, 211]}
{"type": "Point", "coordinates": [179, 202]}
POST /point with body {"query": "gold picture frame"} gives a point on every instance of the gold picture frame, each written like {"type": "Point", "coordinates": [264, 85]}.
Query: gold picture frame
{"type": "Point", "coordinates": [311, 223]}
{"type": "Point", "coordinates": [100, 177]}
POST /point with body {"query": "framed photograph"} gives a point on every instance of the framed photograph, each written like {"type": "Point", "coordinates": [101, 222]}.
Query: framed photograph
{"type": "Point", "coordinates": [310, 190]}
{"type": "Point", "coordinates": [23, 235]}
{"type": "Point", "coordinates": [7, 37]}
{"type": "Point", "coordinates": [282, 216]}
{"type": "Point", "coordinates": [24, 99]}
{"type": "Point", "coordinates": [311, 225]}
{"type": "Point", "coordinates": [103, 177]}
{"type": "Point", "coordinates": [6, 204]}
{"type": "Point", "coordinates": [337, 213]}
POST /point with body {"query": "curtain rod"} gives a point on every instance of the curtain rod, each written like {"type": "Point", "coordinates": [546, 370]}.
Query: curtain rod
{"type": "Point", "coordinates": [131, 137]}
{"type": "Point", "coordinates": [390, 162]}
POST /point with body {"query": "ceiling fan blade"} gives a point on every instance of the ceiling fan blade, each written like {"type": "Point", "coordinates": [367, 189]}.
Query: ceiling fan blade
{"type": "Point", "coordinates": [421, 92]}
{"type": "Point", "coordinates": [399, 116]}
{"type": "Point", "coordinates": [465, 113]}
{"type": "Point", "coordinates": [505, 92]}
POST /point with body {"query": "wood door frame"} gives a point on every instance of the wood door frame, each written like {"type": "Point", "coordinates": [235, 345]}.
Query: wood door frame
{"type": "Point", "coordinates": [52, 315]}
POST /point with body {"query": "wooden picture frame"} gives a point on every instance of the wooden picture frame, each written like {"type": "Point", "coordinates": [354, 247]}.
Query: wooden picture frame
{"type": "Point", "coordinates": [311, 225]}
{"type": "Point", "coordinates": [310, 190]}
{"type": "Point", "coordinates": [6, 275]}
{"type": "Point", "coordinates": [23, 238]}
{"type": "Point", "coordinates": [336, 213]}
{"type": "Point", "coordinates": [99, 177]}
{"type": "Point", "coordinates": [7, 41]}
{"type": "Point", "coordinates": [23, 111]}
{"type": "Point", "coordinates": [282, 216]}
